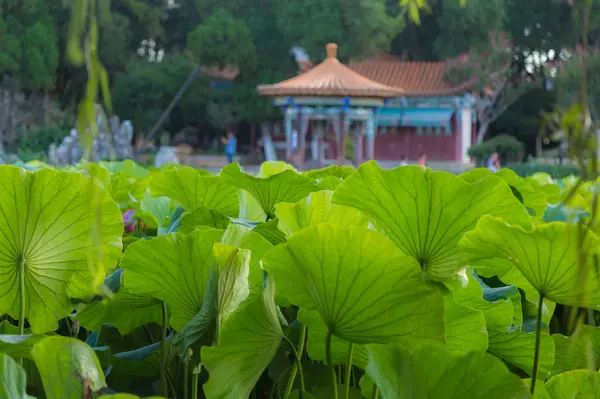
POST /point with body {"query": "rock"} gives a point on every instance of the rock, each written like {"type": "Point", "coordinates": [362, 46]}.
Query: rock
{"type": "Point", "coordinates": [166, 155]}
{"type": "Point", "coordinates": [123, 141]}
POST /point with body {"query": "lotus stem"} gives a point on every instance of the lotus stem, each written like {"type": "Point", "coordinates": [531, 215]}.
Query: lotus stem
{"type": "Point", "coordinates": [295, 368]}
{"type": "Point", "coordinates": [331, 366]}
{"type": "Point", "coordinates": [375, 393]}
{"type": "Point", "coordinates": [21, 300]}
{"type": "Point", "coordinates": [21, 296]}
{"type": "Point", "coordinates": [163, 363]}
{"type": "Point", "coordinates": [538, 337]}
{"type": "Point", "coordinates": [195, 385]}
{"type": "Point", "coordinates": [185, 378]}
{"type": "Point", "coordinates": [298, 364]}
{"type": "Point", "coordinates": [348, 370]}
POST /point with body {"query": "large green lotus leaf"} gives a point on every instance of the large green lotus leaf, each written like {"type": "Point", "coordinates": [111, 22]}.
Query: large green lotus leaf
{"type": "Point", "coordinates": [317, 334]}
{"type": "Point", "coordinates": [153, 211]}
{"type": "Point", "coordinates": [426, 213]}
{"type": "Point", "coordinates": [128, 396]}
{"type": "Point", "coordinates": [541, 261]}
{"type": "Point", "coordinates": [227, 287]}
{"type": "Point", "coordinates": [365, 289]}
{"type": "Point", "coordinates": [122, 186]}
{"type": "Point", "coordinates": [574, 352]}
{"type": "Point", "coordinates": [465, 327]}
{"type": "Point", "coordinates": [203, 217]}
{"type": "Point", "coordinates": [518, 347]}
{"type": "Point", "coordinates": [287, 186]}
{"type": "Point", "coordinates": [250, 209]}
{"type": "Point", "coordinates": [127, 167]}
{"type": "Point", "coordinates": [69, 368]}
{"type": "Point", "coordinates": [534, 200]}
{"type": "Point", "coordinates": [173, 268]}
{"type": "Point", "coordinates": [245, 238]}
{"type": "Point", "coordinates": [432, 372]}
{"type": "Point", "coordinates": [191, 189]}
{"type": "Point", "coordinates": [547, 186]}
{"type": "Point", "coordinates": [314, 209]}
{"type": "Point", "coordinates": [247, 343]}
{"type": "Point", "coordinates": [497, 312]}
{"type": "Point", "coordinates": [270, 231]}
{"type": "Point", "coordinates": [233, 265]}
{"type": "Point", "coordinates": [271, 168]}
{"type": "Point", "coordinates": [13, 380]}
{"type": "Point", "coordinates": [64, 231]}
{"type": "Point", "coordinates": [142, 362]}
{"type": "Point", "coordinates": [564, 213]}
{"type": "Point", "coordinates": [341, 172]}
{"type": "Point", "coordinates": [15, 345]}
{"type": "Point", "coordinates": [124, 310]}
{"type": "Point", "coordinates": [577, 384]}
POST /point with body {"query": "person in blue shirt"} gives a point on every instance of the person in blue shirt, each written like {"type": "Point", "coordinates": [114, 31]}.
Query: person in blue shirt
{"type": "Point", "coordinates": [230, 146]}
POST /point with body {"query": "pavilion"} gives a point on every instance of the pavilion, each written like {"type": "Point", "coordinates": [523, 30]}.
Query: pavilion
{"type": "Point", "coordinates": [330, 92]}
{"type": "Point", "coordinates": [409, 106]}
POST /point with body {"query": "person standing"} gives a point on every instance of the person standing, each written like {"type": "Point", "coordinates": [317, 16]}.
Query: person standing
{"type": "Point", "coordinates": [423, 159]}
{"type": "Point", "coordinates": [493, 163]}
{"type": "Point", "coordinates": [403, 161]}
{"type": "Point", "coordinates": [230, 146]}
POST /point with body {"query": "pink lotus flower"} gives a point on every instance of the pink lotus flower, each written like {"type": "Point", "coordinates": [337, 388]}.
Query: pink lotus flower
{"type": "Point", "coordinates": [129, 221]}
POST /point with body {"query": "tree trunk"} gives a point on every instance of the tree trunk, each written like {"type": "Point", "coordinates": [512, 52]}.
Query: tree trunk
{"type": "Point", "coordinates": [481, 132]}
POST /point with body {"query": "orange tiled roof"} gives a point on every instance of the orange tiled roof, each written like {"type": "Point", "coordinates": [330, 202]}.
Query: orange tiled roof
{"type": "Point", "coordinates": [330, 78]}
{"type": "Point", "coordinates": [414, 78]}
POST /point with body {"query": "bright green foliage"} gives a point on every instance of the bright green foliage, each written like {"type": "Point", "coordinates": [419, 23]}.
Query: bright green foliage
{"type": "Point", "coordinates": [426, 213]}
{"type": "Point", "coordinates": [124, 310]}
{"type": "Point", "coordinates": [68, 367]}
{"type": "Point", "coordinates": [541, 261]}
{"type": "Point", "coordinates": [60, 232]}
{"type": "Point", "coordinates": [287, 186]}
{"type": "Point", "coordinates": [128, 396]}
{"type": "Point", "coordinates": [203, 217]}
{"type": "Point", "coordinates": [190, 189]}
{"type": "Point", "coordinates": [317, 333]}
{"type": "Point", "coordinates": [233, 266]}
{"type": "Point", "coordinates": [209, 288]}
{"type": "Point", "coordinates": [314, 209]}
{"type": "Point", "coordinates": [247, 344]}
{"type": "Point", "coordinates": [579, 351]}
{"type": "Point", "coordinates": [572, 384]}
{"type": "Point", "coordinates": [535, 201]}
{"type": "Point", "coordinates": [465, 327]}
{"type": "Point", "coordinates": [15, 345]}
{"type": "Point", "coordinates": [432, 372]}
{"type": "Point", "coordinates": [172, 268]}
{"type": "Point", "coordinates": [122, 185]}
{"type": "Point", "coordinates": [245, 238]}
{"type": "Point", "coordinates": [354, 277]}
{"type": "Point", "coordinates": [12, 379]}
{"type": "Point", "coordinates": [517, 348]}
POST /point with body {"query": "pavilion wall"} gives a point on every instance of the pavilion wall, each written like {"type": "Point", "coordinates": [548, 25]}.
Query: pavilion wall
{"type": "Point", "coordinates": [404, 140]}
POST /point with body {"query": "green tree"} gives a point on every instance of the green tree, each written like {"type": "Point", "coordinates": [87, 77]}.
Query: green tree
{"type": "Point", "coordinates": [145, 88]}
{"type": "Point", "coordinates": [29, 49]}
{"type": "Point", "coordinates": [496, 80]}
{"type": "Point", "coordinates": [222, 40]}
{"type": "Point", "coordinates": [568, 82]}
{"type": "Point", "coordinates": [467, 27]}
{"type": "Point", "coordinates": [358, 26]}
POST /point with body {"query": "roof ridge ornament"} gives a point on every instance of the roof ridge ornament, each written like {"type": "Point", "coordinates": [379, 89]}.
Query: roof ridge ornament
{"type": "Point", "coordinates": [331, 50]}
